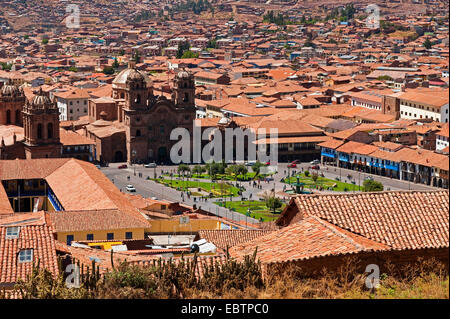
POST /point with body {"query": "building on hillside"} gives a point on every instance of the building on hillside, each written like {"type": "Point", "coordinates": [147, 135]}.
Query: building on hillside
{"type": "Point", "coordinates": [72, 104]}
{"type": "Point", "coordinates": [421, 103]}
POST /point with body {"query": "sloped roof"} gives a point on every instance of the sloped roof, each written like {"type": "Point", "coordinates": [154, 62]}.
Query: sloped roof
{"type": "Point", "coordinates": [92, 220]}
{"type": "Point", "coordinates": [309, 238]}
{"type": "Point", "coordinates": [77, 184]}
{"type": "Point", "coordinates": [399, 219]}
{"type": "Point", "coordinates": [34, 234]}
{"type": "Point", "coordinates": [228, 238]}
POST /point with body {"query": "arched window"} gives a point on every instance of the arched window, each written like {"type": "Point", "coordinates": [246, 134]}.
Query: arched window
{"type": "Point", "coordinates": [185, 85]}
{"type": "Point", "coordinates": [138, 132]}
{"type": "Point", "coordinates": [39, 130]}
{"type": "Point", "coordinates": [17, 116]}
{"type": "Point", "coordinates": [122, 95]}
{"type": "Point", "coordinates": [49, 130]}
{"type": "Point", "coordinates": [186, 97]}
{"type": "Point", "coordinates": [138, 98]}
{"type": "Point", "coordinates": [8, 117]}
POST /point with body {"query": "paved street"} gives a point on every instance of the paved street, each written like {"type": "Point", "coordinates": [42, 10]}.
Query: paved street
{"type": "Point", "coordinates": [151, 189]}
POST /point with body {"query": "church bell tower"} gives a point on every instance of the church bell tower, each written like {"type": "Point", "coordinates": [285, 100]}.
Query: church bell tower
{"type": "Point", "coordinates": [41, 127]}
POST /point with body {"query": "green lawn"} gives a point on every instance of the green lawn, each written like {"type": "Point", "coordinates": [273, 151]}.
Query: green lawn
{"type": "Point", "coordinates": [223, 177]}
{"type": "Point", "coordinates": [217, 189]}
{"type": "Point", "coordinates": [325, 183]}
{"type": "Point", "coordinates": [258, 209]}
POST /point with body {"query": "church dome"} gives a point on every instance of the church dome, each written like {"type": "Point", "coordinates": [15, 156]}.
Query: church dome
{"type": "Point", "coordinates": [10, 90]}
{"type": "Point", "coordinates": [130, 74]}
{"type": "Point", "coordinates": [183, 74]}
{"type": "Point", "coordinates": [41, 100]}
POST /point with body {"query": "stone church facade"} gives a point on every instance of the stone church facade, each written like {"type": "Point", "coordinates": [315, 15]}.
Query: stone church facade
{"type": "Point", "coordinates": [146, 120]}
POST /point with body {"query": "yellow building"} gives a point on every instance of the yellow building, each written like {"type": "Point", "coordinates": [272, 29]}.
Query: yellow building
{"type": "Point", "coordinates": [110, 224]}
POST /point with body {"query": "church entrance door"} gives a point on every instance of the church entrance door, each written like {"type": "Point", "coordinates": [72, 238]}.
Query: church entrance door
{"type": "Point", "coordinates": [162, 154]}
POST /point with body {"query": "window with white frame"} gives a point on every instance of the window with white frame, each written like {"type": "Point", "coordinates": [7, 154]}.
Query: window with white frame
{"type": "Point", "coordinates": [25, 255]}
{"type": "Point", "coordinates": [12, 232]}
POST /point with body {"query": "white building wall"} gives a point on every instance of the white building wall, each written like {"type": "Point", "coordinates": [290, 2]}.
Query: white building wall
{"type": "Point", "coordinates": [62, 106]}
{"type": "Point", "coordinates": [441, 142]}
{"type": "Point", "coordinates": [76, 108]}
{"type": "Point", "coordinates": [444, 113]}
{"type": "Point", "coordinates": [409, 112]}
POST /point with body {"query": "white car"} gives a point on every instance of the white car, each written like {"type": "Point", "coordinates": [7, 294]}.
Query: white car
{"type": "Point", "coordinates": [315, 162]}
{"type": "Point", "coordinates": [151, 165]}
{"type": "Point", "coordinates": [130, 188]}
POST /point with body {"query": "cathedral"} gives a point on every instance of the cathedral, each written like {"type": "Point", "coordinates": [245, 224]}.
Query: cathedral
{"type": "Point", "coordinates": [132, 125]}
{"type": "Point", "coordinates": [138, 130]}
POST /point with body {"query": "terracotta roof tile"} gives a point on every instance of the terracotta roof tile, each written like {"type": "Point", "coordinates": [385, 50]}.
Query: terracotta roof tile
{"type": "Point", "coordinates": [35, 235]}
{"type": "Point", "coordinates": [229, 238]}
{"type": "Point", "coordinates": [399, 219]}
{"type": "Point", "coordinates": [309, 238]}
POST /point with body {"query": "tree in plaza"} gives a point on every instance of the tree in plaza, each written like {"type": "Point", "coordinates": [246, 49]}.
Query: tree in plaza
{"type": "Point", "coordinates": [213, 169]}
{"type": "Point", "coordinates": [198, 169]}
{"type": "Point", "coordinates": [372, 186]}
{"type": "Point", "coordinates": [314, 177]}
{"type": "Point", "coordinates": [272, 201]}
{"type": "Point", "coordinates": [182, 169]}
{"type": "Point", "coordinates": [257, 168]}
{"type": "Point", "coordinates": [242, 170]}
{"type": "Point", "coordinates": [232, 171]}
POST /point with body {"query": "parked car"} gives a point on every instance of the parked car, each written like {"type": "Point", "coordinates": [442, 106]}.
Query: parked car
{"type": "Point", "coordinates": [250, 164]}
{"type": "Point", "coordinates": [267, 163]}
{"type": "Point", "coordinates": [315, 162]}
{"type": "Point", "coordinates": [130, 188]}
{"type": "Point", "coordinates": [295, 162]}
{"type": "Point", "coordinates": [315, 167]}
{"type": "Point", "coordinates": [292, 165]}
{"type": "Point", "coordinates": [122, 166]}
{"type": "Point", "coordinates": [151, 165]}
{"type": "Point", "coordinates": [369, 178]}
